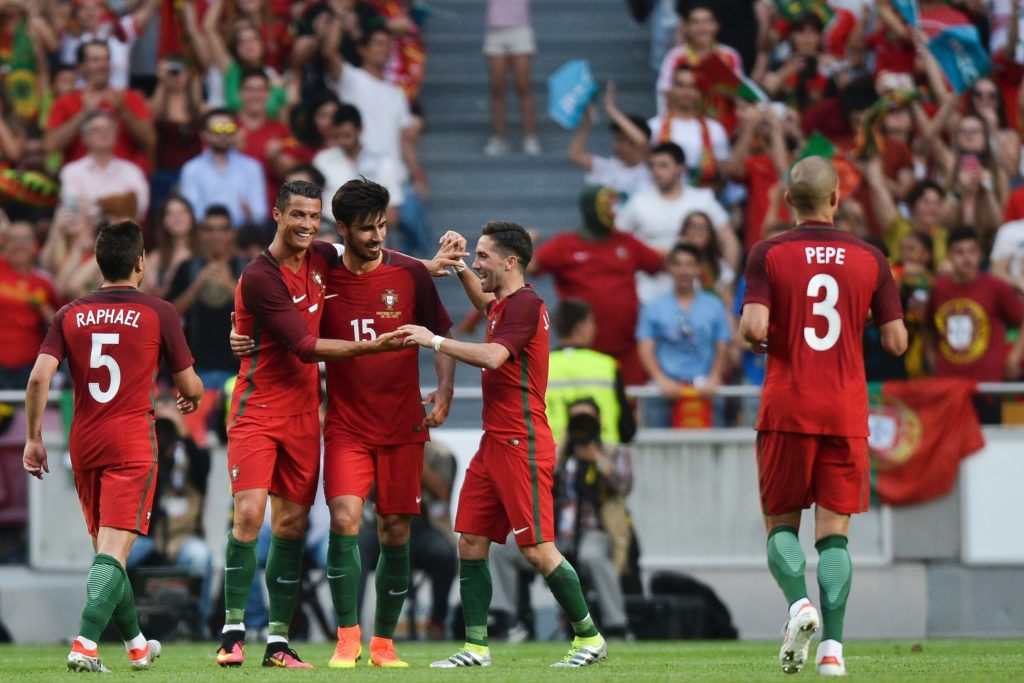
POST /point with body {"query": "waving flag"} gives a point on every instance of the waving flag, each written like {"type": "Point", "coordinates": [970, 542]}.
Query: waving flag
{"type": "Point", "coordinates": [908, 10]}
{"type": "Point", "coordinates": [570, 90]}
{"type": "Point", "coordinates": [959, 52]}
{"type": "Point", "coordinates": [716, 77]}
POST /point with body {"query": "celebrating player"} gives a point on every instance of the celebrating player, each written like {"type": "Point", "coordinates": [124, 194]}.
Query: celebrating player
{"type": "Point", "coordinates": [809, 292]}
{"type": "Point", "coordinates": [274, 426]}
{"type": "Point", "coordinates": [508, 484]}
{"type": "Point", "coordinates": [113, 339]}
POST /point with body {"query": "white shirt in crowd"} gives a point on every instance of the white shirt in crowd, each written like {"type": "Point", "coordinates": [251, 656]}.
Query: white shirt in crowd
{"type": "Point", "coordinates": [85, 182]}
{"type": "Point", "coordinates": [120, 51]}
{"type": "Point", "coordinates": [338, 169]}
{"type": "Point", "coordinates": [687, 134]}
{"type": "Point", "coordinates": [1009, 246]}
{"type": "Point", "coordinates": [611, 172]}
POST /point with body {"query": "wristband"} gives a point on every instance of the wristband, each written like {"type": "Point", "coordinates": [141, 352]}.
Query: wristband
{"type": "Point", "coordinates": [436, 342]}
{"type": "Point", "coordinates": [460, 267]}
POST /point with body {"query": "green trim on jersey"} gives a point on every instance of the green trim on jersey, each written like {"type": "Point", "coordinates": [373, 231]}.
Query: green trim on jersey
{"type": "Point", "coordinates": [524, 384]}
{"type": "Point", "coordinates": [152, 424]}
{"type": "Point", "coordinates": [145, 494]}
{"type": "Point", "coordinates": [252, 370]}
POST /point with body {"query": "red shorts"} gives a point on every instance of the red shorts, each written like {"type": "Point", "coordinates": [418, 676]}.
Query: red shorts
{"type": "Point", "coordinates": [508, 488]}
{"type": "Point", "coordinates": [796, 470]}
{"type": "Point", "coordinates": [350, 469]}
{"type": "Point", "coordinates": [117, 496]}
{"type": "Point", "coordinates": [281, 454]}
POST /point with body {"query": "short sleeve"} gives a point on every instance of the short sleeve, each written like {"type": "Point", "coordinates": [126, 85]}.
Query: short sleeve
{"type": "Point", "coordinates": [549, 256]}
{"type": "Point", "coordinates": [719, 216]}
{"type": "Point", "coordinates": [53, 342]}
{"type": "Point", "coordinates": [722, 331]}
{"type": "Point", "coordinates": [1007, 239]}
{"type": "Point", "coordinates": [172, 338]}
{"type": "Point", "coordinates": [518, 322]}
{"type": "Point", "coordinates": [885, 303]}
{"type": "Point", "coordinates": [758, 286]}
{"type": "Point", "coordinates": [1010, 304]}
{"type": "Point", "coordinates": [60, 113]}
{"type": "Point", "coordinates": [267, 298]}
{"type": "Point", "coordinates": [645, 327]}
{"type": "Point", "coordinates": [648, 260]}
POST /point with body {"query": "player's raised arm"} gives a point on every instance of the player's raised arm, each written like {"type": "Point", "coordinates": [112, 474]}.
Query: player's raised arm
{"type": "Point", "coordinates": [489, 355]}
{"type": "Point", "coordinates": [34, 459]}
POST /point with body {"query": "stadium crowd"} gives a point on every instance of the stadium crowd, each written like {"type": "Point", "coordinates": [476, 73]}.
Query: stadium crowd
{"type": "Point", "coordinates": [192, 129]}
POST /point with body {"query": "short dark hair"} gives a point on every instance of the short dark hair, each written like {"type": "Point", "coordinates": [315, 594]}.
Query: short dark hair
{"type": "Point", "coordinates": [216, 111]}
{"type": "Point", "coordinates": [118, 246]}
{"type": "Point", "coordinates": [253, 72]}
{"type": "Point", "coordinates": [301, 188]}
{"type": "Point", "coordinates": [918, 189]}
{"type": "Point", "coordinates": [961, 234]}
{"type": "Point", "coordinates": [684, 248]}
{"type": "Point", "coordinates": [346, 113]}
{"type": "Point", "coordinates": [359, 198]}
{"type": "Point", "coordinates": [217, 210]}
{"type": "Point", "coordinates": [371, 31]}
{"type": "Point", "coordinates": [638, 121]}
{"type": "Point", "coordinates": [511, 238]}
{"type": "Point", "coordinates": [806, 20]}
{"type": "Point", "coordinates": [569, 314]}
{"type": "Point", "coordinates": [685, 9]}
{"type": "Point", "coordinates": [671, 149]}
{"type": "Point", "coordinates": [84, 47]}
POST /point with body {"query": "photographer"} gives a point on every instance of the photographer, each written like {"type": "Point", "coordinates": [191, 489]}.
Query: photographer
{"type": "Point", "coordinates": [591, 521]}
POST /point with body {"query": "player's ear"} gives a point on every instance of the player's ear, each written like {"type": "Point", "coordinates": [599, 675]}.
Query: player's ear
{"type": "Point", "coordinates": [276, 214]}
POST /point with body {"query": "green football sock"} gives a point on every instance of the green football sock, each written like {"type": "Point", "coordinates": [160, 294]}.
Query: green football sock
{"type": "Point", "coordinates": [344, 567]}
{"type": "Point", "coordinates": [565, 585]}
{"type": "Point", "coordinates": [283, 573]}
{"type": "Point", "coordinates": [787, 563]}
{"type": "Point", "coordinates": [239, 571]}
{"type": "Point", "coordinates": [103, 589]}
{"type": "Point", "coordinates": [835, 575]}
{"type": "Point", "coordinates": [124, 616]}
{"type": "Point", "coordinates": [475, 588]}
{"type": "Point", "coordinates": [392, 582]}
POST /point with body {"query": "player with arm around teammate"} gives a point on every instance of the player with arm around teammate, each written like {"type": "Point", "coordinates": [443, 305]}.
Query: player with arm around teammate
{"type": "Point", "coordinates": [809, 292]}
{"type": "Point", "coordinates": [508, 484]}
{"type": "Point", "coordinates": [113, 339]}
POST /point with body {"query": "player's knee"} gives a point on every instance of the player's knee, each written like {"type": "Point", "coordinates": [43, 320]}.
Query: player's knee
{"type": "Point", "coordinates": [473, 547]}
{"type": "Point", "coordinates": [247, 523]}
{"type": "Point", "coordinates": [345, 520]}
{"type": "Point", "coordinates": [533, 555]}
{"type": "Point", "coordinates": [393, 529]}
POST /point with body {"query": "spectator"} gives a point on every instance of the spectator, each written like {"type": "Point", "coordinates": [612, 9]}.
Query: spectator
{"type": "Point", "coordinates": [260, 137]}
{"type": "Point", "coordinates": [203, 292]}
{"type": "Point", "coordinates": [95, 23]}
{"type": "Point", "coordinates": [176, 529]}
{"type": "Point", "coordinates": [576, 371]}
{"type": "Point", "coordinates": [28, 302]}
{"type": "Point", "coordinates": [626, 171]}
{"type": "Point", "coordinates": [30, 39]}
{"type": "Point", "coordinates": [1007, 258]}
{"type": "Point", "coordinates": [345, 159]}
{"type": "Point", "coordinates": [914, 274]}
{"type": "Point", "coordinates": [99, 178]}
{"type": "Point", "coordinates": [68, 253]}
{"type": "Point", "coordinates": [716, 275]}
{"type": "Point", "coordinates": [682, 337]}
{"type": "Point", "coordinates": [176, 243]}
{"type": "Point", "coordinates": [599, 264]}
{"type": "Point", "coordinates": [177, 106]}
{"type": "Point", "coordinates": [654, 215]}
{"type": "Point", "coordinates": [223, 175]}
{"type": "Point", "coordinates": [136, 135]}
{"type": "Point", "coordinates": [984, 99]}
{"type": "Point", "coordinates": [509, 47]}
{"type": "Point", "coordinates": [805, 77]}
{"type": "Point", "coordinates": [968, 317]}
{"type": "Point", "coordinates": [313, 122]}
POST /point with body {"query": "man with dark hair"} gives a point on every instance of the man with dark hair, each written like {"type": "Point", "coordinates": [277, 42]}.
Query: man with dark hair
{"type": "Point", "coordinates": [223, 175]}
{"type": "Point", "coordinates": [809, 293]}
{"type": "Point", "coordinates": [968, 316]}
{"type": "Point", "coordinates": [274, 424]}
{"type": "Point", "coordinates": [508, 486]}
{"type": "Point", "coordinates": [114, 339]}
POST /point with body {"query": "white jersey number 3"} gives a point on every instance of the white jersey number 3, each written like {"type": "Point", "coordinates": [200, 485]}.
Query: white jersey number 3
{"type": "Point", "coordinates": [98, 359]}
{"type": "Point", "coordinates": [826, 308]}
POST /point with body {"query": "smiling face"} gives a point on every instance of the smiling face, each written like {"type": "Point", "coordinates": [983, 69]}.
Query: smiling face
{"type": "Point", "coordinates": [298, 223]}
{"type": "Point", "coordinates": [490, 266]}
{"type": "Point", "coordinates": [364, 239]}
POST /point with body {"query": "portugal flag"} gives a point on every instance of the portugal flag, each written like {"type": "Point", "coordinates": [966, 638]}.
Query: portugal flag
{"type": "Point", "coordinates": [920, 431]}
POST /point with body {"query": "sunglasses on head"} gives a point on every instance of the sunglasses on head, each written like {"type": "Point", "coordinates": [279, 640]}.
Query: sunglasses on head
{"type": "Point", "coordinates": [227, 128]}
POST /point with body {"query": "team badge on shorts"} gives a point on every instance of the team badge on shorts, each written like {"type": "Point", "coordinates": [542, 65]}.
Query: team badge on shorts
{"type": "Point", "coordinates": [389, 298]}
{"type": "Point", "coordinates": [234, 473]}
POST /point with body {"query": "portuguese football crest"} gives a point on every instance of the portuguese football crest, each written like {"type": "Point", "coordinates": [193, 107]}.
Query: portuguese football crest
{"type": "Point", "coordinates": [389, 298]}
{"type": "Point", "coordinates": [895, 432]}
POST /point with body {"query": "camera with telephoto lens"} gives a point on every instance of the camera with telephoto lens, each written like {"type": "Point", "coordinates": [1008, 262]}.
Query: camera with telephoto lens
{"type": "Point", "coordinates": [583, 429]}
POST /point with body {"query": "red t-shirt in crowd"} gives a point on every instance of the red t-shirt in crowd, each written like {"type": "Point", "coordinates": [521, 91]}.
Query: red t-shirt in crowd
{"type": "Point", "coordinates": [256, 141]}
{"type": "Point", "coordinates": [21, 297]}
{"type": "Point", "coordinates": [113, 339]}
{"type": "Point", "coordinates": [67, 107]}
{"type": "Point", "coordinates": [970, 322]}
{"type": "Point", "coordinates": [761, 177]}
{"type": "Point", "coordinates": [602, 273]}
{"type": "Point", "coordinates": [819, 285]}
{"type": "Point", "coordinates": [1015, 205]}
{"type": "Point", "coordinates": [375, 399]}
{"type": "Point", "coordinates": [281, 310]}
{"type": "Point", "coordinates": [514, 393]}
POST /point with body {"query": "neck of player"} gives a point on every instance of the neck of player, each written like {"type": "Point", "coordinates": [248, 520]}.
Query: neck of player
{"type": "Point", "coordinates": [286, 255]}
{"type": "Point", "coordinates": [512, 282]}
{"type": "Point", "coordinates": [357, 264]}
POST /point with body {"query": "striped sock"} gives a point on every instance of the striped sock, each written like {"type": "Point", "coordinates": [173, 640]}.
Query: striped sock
{"type": "Point", "coordinates": [104, 588]}
{"type": "Point", "coordinates": [835, 575]}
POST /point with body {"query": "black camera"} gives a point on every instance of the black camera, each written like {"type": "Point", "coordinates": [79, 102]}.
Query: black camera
{"type": "Point", "coordinates": [583, 429]}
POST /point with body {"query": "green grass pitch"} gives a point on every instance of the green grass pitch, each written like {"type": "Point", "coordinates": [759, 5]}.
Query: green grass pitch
{"type": "Point", "coordinates": [938, 660]}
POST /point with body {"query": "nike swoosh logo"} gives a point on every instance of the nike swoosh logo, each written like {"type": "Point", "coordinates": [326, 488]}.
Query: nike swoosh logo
{"type": "Point", "coordinates": [516, 532]}
{"type": "Point", "coordinates": [338, 576]}
{"type": "Point", "coordinates": [465, 579]}
{"type": "Point", "coordinates": [281, 579]}
{"type": "Point", "coordinates": [397, 593]}
{"type": "Point", "coordinates": [330, 296]}
{"type": "Point", "coordinates": [418, 499]}
{"type": "Point", "coordinates": [231, 569]}
{"type": "Point", "coordinates": [297, 299]}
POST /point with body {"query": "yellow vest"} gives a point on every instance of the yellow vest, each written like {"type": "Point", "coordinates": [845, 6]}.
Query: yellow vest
{"type": "Point", "coordinates": [575, 374]}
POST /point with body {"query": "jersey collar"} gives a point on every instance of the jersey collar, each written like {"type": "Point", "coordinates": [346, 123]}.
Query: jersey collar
{"type": "Point", "coordinates": [816, 224]}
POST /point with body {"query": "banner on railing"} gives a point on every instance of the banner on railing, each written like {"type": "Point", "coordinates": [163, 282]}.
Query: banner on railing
{"type": "Point", "coordinates": [920, 431]}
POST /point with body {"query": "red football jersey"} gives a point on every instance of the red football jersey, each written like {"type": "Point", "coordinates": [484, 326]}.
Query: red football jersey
{"type": "Point", "coordinates": [113, 339]}
{"type": "Point", "coordinates": [820, 285]}
{"type": "Point", "coordinates": [281, 310]}
{"type": "Point", "coordinates": [513, 395]}
{"type": "Point", "coordinates": [375, 399]}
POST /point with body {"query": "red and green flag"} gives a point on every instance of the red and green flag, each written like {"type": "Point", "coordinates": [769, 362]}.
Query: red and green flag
{"type": "Point", "coordinates": [716, 77]}
{"type": "Point", "coordinates": [791, 9]}
{"type": "Point", "coordinates": [818, 145]}
{"type": "Point", "coordinates": [920, 431]}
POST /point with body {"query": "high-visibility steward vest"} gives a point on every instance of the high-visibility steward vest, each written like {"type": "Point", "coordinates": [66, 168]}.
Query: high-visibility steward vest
{"type": "Point", "coordinates": [574, 374]}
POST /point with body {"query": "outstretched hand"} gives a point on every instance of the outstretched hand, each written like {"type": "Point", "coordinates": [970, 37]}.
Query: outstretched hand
{"type": "Point", "coordinates": [390, 341]}
{"type": "Point", "coordinates": [416, 334]}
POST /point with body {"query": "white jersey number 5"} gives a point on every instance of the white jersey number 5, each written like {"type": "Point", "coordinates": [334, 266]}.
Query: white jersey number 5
{"type": "Point", "coordinates": [98, 359]}
{"type": "Point", "coordinates": [826, 308]}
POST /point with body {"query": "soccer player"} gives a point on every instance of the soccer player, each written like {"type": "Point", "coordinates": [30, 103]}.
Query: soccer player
{"type": "Point", "coordinates": [113, 339]}
{"type": "Point", "coordinates": [274, 426]}
{"type": "Point", "coordinates": [376, 291]}
{"type": "Point", "coordinates": [508, 484]}
{"type": "Point", "coordinates": [809, 292]}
